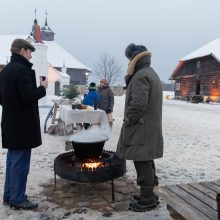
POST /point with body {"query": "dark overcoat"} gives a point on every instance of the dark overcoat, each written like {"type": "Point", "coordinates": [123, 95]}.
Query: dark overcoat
{"type": "Point", "coordinates": [106, 101]}
{"type": "Point", "coordinates": [19, 97]}
{"type": "Point", "coordinates": [141, 134]}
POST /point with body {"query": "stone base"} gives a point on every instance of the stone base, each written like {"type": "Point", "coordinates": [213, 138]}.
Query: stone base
{"type": "Point", "coordinates": [97, 196]}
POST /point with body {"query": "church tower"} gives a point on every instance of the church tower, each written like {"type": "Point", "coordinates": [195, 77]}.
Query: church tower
{"type": "Point", "coordinates": [46, 33]}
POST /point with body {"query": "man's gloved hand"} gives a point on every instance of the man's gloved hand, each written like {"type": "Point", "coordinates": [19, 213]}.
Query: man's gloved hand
{"type": "Point", "coordinates": [129, 122]}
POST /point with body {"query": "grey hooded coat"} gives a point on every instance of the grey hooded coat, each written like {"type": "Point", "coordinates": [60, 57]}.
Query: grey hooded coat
{"type": "Point", "coordinates": [141, 134]}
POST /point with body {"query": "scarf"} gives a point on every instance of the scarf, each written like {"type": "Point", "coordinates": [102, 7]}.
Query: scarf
{"type": "Point", "coordinates": [131, 66]}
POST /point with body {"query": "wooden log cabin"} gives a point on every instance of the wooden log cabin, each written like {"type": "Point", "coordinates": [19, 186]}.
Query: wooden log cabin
{"type": "Point", "coordinates": [198, 74]}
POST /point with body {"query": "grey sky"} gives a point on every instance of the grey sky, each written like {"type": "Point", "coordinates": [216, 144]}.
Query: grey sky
{"type": "Point", "coordinates": [169, 29]}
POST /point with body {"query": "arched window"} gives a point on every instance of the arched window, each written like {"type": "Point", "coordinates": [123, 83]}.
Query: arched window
{"type": "Point", "coordinates": [57, 88]}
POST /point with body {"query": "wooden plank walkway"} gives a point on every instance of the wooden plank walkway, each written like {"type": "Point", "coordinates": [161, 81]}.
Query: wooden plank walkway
{"type": "Point", "coordinates": [193, 201]}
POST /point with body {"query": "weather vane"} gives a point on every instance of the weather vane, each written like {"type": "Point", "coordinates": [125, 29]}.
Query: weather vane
{"type": "Point", "coordinates": [46, 18]}
{"type": "Point", "coordinates": [35, 11]}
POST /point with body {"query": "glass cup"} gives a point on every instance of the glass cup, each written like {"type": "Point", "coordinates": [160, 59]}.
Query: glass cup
{"type": "Point", "coordinates": [79, 106]}
{"type": "Point", "coordinates": [42, 78]}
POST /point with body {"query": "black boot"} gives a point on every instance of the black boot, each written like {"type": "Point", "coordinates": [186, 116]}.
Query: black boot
{"type": "Point", "coordinates": [137, 197]}
{"type": "Point", "coordinates": [146, 202]}
{"type": "Point", "coordinates": [143, 206]}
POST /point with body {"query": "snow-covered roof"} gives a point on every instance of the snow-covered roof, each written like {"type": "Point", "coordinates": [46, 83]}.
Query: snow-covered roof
{"type": "Point", "coordinates": [62, 56]}
{"type": "Point", "coordinates": [212, 48]}
{"type": "Point", "coordinates": [56, 55]}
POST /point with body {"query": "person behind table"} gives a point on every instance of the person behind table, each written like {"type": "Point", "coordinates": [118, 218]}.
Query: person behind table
{"type": "Point", "coordinates": [91, 99]}
{"type": "Point", "coordinates": [141, 138]}
{"type": "Point", "coordinates": [92, 96]}
{"type": "Point", "coordinates": [20, 123]}
{"type": "Point", "coordinates": [106, 102]}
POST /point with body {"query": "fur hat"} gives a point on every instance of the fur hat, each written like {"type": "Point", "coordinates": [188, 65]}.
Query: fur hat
{"type": "Point", "coordinates": [21, 43]}
{"type": "Point", "coordinates": [133, 50]}
{"type": "Point", "coordinates": [104, 81]}
{"type": "Point", "coordinates": [92, 86]}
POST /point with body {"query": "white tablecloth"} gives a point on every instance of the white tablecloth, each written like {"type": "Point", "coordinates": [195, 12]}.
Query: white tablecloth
{"type": "Point", "coordinates": [70, 116]}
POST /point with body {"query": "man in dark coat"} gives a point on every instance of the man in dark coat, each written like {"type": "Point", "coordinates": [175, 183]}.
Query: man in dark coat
{"type": "Point", "coordinates": [141, 137]}
{"type": "Point", "coordinates": [20, 123]}
{"type": "Point", "coordinates": [106, 101]}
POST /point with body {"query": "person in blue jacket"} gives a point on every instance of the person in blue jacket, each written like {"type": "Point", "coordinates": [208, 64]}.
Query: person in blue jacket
{"type": "Point", "coordinates": [91, 99]}
{"type": "Point", "coordinates": [92, 96]}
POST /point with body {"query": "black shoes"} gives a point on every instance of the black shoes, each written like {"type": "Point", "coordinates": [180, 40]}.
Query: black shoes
{"type": "Point", "coordinates": [137, 198]}
{"type": "Point", "coordinates": [143, 206]}
{"type": "Point", "coordinates": [26, 205]}
{"type": "Point", "coordinates": [139, 205]}
{"type": "Point", "coordinates": [5, 202]}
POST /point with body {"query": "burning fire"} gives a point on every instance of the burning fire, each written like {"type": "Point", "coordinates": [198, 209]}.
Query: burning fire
{"type": "Point", "coordinates": [92, 164]}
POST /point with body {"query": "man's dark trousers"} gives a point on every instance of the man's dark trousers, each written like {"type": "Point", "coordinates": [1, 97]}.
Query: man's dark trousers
{"type": "Point", "coordinates": [17, 169]}
{"type": "Point", "coordinates": [146, 178]}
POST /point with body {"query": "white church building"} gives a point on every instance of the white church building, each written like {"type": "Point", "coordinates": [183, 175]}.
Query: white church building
{"type": "Point", "coordinates": [50, 60]}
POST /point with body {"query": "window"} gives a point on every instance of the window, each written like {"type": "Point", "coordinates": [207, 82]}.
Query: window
{"type": "Point", "coordinates": [182, 86]}
{"type": "Point", "coordinates": [57, 88]}
{"type": "Point", "coordinates": [198, 64]}
{"type": "Point", "coordinates": [214, 84]}
{"type": "Point", "coordinates": [177, 87]}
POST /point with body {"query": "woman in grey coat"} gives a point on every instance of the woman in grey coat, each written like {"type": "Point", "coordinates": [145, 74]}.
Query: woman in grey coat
{"type": "Point", "coordinates": [141, 137]}
{"type": "Point", "coordinates": [106, 101]}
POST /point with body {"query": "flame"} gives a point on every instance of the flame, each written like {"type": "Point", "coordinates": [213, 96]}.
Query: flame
{"type": "Point", "coordinates": [214, 98]}
{"type": "Point", "coordinates": [92, 165]}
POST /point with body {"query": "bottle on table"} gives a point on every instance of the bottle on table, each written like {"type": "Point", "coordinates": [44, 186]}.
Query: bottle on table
{"type": "Point", "coordinates": [95, 104]}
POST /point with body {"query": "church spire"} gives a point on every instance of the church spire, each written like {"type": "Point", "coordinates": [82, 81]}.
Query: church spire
{"type": "Point", "coordinates": [46, 19]}
{"type": "Point", "coordinates": [35, 12]}
{"type": "Point", "coordinates": [46, 32]}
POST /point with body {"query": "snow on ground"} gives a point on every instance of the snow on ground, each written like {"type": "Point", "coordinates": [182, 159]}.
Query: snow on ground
{"type": "Point", "coordinates": [191, 153]}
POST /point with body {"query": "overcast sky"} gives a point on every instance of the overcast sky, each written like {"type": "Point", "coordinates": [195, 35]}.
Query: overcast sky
{"type": "Point", "coordinates": [170, 29]}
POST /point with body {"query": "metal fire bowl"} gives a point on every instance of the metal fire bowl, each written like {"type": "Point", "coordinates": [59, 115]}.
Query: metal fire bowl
{"type": "Point", "coordinates": [64, 166]}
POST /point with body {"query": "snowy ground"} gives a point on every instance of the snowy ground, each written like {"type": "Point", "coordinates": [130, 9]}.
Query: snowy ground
{"type": "Point", "coordinates": [191, 153]}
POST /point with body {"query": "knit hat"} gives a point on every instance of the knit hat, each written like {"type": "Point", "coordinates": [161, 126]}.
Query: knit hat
{"type": "Point", "coordinates": [92, 86]}
{"type": "Point", "coordinates": [21, 43]}
{"type": "Point", "coordinates": [133, 50]}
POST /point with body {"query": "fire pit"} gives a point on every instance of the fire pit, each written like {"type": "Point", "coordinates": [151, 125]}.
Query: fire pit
{"type": "Point", "coordinates": [107, 166]}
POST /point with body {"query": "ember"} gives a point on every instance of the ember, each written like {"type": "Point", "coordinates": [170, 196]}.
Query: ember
{"type": "Point", "coordinates": [92, 165]}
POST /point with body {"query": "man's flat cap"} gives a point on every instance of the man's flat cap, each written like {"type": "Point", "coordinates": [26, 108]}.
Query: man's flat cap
{"type": "Point", "coordinates": [21, 43]}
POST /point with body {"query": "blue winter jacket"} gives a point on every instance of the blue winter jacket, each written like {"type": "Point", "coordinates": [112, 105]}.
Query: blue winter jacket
{"type": "Point", "coordinates": [89, 98]}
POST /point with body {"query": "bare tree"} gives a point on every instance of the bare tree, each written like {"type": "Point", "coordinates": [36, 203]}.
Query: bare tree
{"type": "Point", "coordinates": [107, 67]}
